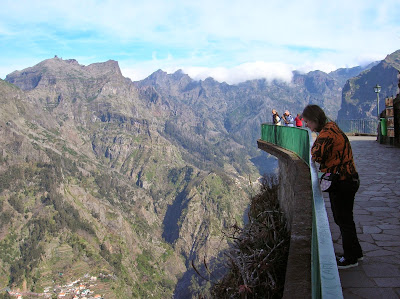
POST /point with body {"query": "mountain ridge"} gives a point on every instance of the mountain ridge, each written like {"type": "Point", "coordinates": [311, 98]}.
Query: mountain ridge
{"type": "Point", "coordinates": [360, 100]}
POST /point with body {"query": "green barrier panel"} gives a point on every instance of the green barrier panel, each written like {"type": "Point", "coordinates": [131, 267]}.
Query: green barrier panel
{"type": "Point", "coordinates": [293, 139]}
{"type": "Point", "coordinates": [383, 127]}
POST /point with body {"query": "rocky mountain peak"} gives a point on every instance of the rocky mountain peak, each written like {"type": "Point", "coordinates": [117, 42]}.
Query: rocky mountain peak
{"type": "Point", "coordinates": [158, 74]}
{"type": "Point", "coordinates": [394, 59]}
{"type": "Point", "coordinates": [179, 75]}
{"type": "Point", "coordinates": [54, 70]}
{"type": "Point", "coordinates": [109, 67]}
{"type": "Point", "coordinates": [210, 80]}
{"type": "Point", "coordinates": [155, 78]}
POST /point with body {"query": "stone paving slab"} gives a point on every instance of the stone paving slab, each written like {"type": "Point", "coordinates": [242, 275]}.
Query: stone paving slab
{"type": "Point", "coordinates": [356, 278]}
{"type": "Point", "coordinates": [389, 282]}
{"type": "Point", "coordinates": [370, 293]}
{"type": "Point", "coordinates": [374, 270]}
{"type": "Point", "coordinates": [377, 218]}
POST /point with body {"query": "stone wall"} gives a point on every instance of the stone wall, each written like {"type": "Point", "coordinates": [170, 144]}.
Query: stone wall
{"type": "Point", "coordinates": [295, 197]}
{"type": "Point", "coordinates": [396, 114]}
{"type": "Point", "coordinates": [396, 107]}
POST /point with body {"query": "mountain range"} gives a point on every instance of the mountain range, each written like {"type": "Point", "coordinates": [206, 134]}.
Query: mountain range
{"type": "Point", "coordinates": [135, 180]}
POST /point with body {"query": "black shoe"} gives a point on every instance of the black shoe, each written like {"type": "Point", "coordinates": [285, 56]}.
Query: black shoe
{"type": "Point", "coordinates": [340, 255]}
{"type": "Point", "coordinates": [342, 263]}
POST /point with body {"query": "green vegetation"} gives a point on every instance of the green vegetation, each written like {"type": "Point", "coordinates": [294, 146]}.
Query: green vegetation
{"type": "Point", "coordinates": [70, 151]}
{"type": "Point", "coordinates": [206, 150]}
{"type": "Point", "coordinates": [5, 295]}
{"type": "Point", "coordinates": [30, 250]}
{"type": "Point", "coordinates": [26, 182]}
{"type": "Point", "coordinates": [5, 217]}
{"type": "Point", "coordinates": [153, 282]}
{"type": "Point", "coordinates": [207, 155]}
{"type": "Point", "coordinates": [12, 174]}
{"type": "Point", "coordinates": [140, 226]}
{"type": "Point", "coordinates": [115, 260]}
{"type": "Point", "coordinates": [31, 125]}
{"type": "Point", "coordinates": [16, 203]}
{"type": "Point", "coordinates": [111, 188]}
{"type": "Point", "coordinates": [8, 246]}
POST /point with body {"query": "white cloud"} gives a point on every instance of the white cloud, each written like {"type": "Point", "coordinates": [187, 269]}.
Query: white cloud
{"type": "Point", "coordinates": [247, 71]}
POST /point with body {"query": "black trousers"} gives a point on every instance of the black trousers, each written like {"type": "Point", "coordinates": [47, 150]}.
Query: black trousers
{"type": "Point", "coordinates": [342, 201]}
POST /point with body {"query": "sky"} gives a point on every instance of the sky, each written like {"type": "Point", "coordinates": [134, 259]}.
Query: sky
{"type": "Point", "coordinates": [229, 40]}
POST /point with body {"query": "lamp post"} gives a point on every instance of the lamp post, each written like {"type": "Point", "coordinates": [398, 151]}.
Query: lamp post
{"type": "Point", "coordinates": [377, 90]}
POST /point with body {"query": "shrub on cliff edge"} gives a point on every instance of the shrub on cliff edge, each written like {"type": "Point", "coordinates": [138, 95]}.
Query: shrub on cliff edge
{"type": "Point", "coordinates": [258, 256]}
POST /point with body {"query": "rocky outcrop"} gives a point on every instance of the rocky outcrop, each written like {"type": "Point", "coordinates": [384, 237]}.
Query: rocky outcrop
{"type": "Point", "coordinates": [343, 74]}
{"type": "Point", "coordinates": [359, 101]}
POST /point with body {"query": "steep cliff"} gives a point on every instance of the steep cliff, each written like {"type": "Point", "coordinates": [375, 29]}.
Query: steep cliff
{"type": "Point", "coordinates": [359, 100]}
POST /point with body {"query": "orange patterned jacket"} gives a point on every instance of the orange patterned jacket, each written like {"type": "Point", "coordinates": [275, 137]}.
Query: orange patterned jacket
{"type": "Point", "coordinates": [332, 150]}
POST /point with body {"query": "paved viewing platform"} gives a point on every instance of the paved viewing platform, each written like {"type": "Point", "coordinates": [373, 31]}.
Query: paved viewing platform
{"type": "Point", "coordinates": [377, 218]}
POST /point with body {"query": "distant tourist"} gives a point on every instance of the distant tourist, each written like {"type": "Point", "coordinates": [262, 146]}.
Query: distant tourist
{"type": "Point", "coordinates": [288, 119]}
{"type": "Point", "coordinates": [276, 120]}
{"type": "Point", "coordinates": [298, 120]}
{"type": "Point", "coordinates": [332, 150]}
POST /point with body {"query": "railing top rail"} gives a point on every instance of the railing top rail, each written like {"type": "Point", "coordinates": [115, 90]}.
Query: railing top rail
{"type": "Point", "coordinates": [329, 274]}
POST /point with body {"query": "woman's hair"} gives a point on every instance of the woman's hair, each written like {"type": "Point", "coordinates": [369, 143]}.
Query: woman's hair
{"type": "Point", "coordinates": [315, 114]}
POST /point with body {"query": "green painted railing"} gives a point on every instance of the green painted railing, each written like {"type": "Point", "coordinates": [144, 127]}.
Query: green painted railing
{"type": "Point", "coordinates": [325, 274]}
{"type": "Point", "coordinates": [293, 139]}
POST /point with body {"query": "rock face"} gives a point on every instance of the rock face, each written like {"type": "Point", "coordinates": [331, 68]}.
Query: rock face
{"type": "Point", "coordinates": [343, 74]}
{"type": "Point", "coordinates": [131, 179]}
{"type": "Point", "coordinates": [360, 100]}
{"type": "Point", "coordinates": [48, 72]}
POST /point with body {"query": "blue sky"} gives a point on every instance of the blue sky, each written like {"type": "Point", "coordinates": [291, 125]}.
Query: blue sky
{"type": "Point", "coordinates": [228, 40]}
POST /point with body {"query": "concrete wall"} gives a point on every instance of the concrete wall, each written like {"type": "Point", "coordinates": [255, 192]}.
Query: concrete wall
{"type": "Point", "coordinates": [295, 197]}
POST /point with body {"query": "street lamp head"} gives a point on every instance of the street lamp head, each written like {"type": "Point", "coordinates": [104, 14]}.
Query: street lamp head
{"type": "Point", "coordinates": [377, 88]}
